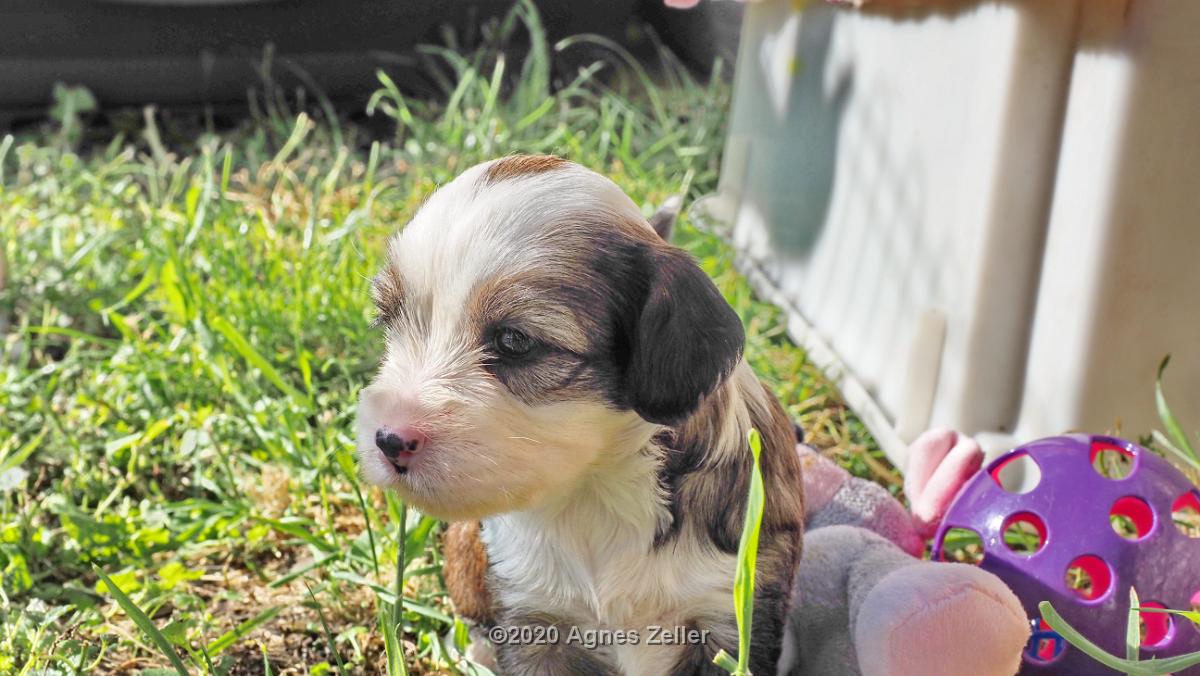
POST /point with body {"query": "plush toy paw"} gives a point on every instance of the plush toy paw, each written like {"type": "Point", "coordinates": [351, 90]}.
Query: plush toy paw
{"type": "Point", "coordinates": [940, 462]}
{"type": "Point", "coordinates": [940, 618]}
{"type": "Point", "coordinates": [822, 479]}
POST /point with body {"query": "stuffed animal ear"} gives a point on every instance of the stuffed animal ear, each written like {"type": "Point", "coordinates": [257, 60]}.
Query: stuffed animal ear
{"type": "Point", "coordinates": [684, 342]}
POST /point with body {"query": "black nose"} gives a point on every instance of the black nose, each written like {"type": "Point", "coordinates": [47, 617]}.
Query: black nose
{"type": "Point", "coordinates": [389, 442]}
{"type": "Point", "coordinates": [392, 443]}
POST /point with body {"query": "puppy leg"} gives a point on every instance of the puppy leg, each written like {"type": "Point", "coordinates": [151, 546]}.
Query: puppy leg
{"type": "Point", "coordinates": [770, 618]}
{"type": "Point", "coordinates": [538, 657]}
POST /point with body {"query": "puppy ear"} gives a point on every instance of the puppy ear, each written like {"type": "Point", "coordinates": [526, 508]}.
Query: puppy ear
{"type": "Point", "coordinates": [663, 220]}
{"type": "Point", "coordinates": [684, 342]}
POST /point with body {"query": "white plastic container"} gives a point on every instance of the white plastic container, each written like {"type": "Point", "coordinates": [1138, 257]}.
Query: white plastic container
{"type": "Point", "coordinates": [986, 218]}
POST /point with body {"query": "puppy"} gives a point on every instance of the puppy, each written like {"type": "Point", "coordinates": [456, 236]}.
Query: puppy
{"type": "Point", "coordinates": [557, 372]}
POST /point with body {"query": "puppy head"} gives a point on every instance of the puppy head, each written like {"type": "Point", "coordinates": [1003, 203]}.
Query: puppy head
{"type": "Point", "coordinates": [536, 328]}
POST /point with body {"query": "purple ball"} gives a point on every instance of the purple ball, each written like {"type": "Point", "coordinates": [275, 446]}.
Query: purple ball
{"type": "Point", "coordinates": [1068, 515]}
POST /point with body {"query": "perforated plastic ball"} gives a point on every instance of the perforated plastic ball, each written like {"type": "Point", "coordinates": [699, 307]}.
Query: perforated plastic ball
{"type": "Point", "coordinates": [1090, 535]}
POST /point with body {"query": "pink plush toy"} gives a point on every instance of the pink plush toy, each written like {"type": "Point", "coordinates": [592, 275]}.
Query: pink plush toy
{"type": "Point", "coordinates": [940, 464]}
{"type": "Point", "coordinates": [866, 605]}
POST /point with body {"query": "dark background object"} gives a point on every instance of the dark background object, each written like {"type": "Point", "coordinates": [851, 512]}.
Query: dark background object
{"type": "Point", "coordinates": [212, 51]}
{"type": "Point", "coordinates": [701, 34]}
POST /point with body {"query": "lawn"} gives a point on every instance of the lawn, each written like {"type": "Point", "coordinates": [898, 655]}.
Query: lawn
{"type": "Point", "coordinates": [187, 324]}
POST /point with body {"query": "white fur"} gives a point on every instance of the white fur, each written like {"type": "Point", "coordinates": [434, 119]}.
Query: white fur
{"type": "Point", "coordinates": [590, 558]}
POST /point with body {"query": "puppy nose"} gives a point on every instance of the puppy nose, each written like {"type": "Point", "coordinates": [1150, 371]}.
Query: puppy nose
{"type": "Point", "coordinates": [393, 442]}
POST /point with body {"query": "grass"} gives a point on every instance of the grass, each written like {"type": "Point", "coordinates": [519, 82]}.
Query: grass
{"type": "Point", "coordinates": [747, 562]}
{"type": "Point", "coordinates": [1174, 444]}
{"type": "Point", "coordinates": [1131, 663]}
{"type": "Point", "coordinates": [187, 326]}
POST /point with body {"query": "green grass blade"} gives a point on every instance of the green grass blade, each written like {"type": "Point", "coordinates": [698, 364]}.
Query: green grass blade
{"type": "Point", "coordinates": [1173, 665]}
{"type": "Point", "coordinates": [743, 589]}
{"type": "Point", "coordinates": [226, 170]}
{"type": "Point", "coordinates": [4, 147]}
{"type": "Point", "coordinates": [237, 633]}
{"type": "Point", "coordinates": [337, 656]}
{"type": "Point", "coordinates": [1058, 624]}
{"type": "Point", "coordinates": [395, 623]}
{"type": "Point", "coordinates": [1192, 615]}
{"type": "Point", "coordinates": [1166, 444]}
{"type": "Point", "coordinates": [305, 569]}
{"type": "Point", "coordinates": [247, 352]}
{"type": "Point", "coordinates": [1174, 429]}
{"type": "Point", "coordinates": [172, 290]}
{"type": "Point", "coordinates": [1133, 628]}
{"type": "Point", "coordinates": [22, 454]}
{"type": "Point", "coordinates": [144, 623]}
{"type": "Point", "coordinates": [147, 281]}
{"type": "Point", "coordinates": [1150, 668]}
{"type": "Point", "coordinates": [391, 645]}
{"type": "Point", "coordinates": [362, 505]}
{"type": "Point", "coordinates": [299, 530]}
{"type": "Point", "coordinates": [388, 596]}
{"type": "Point", "coordinates": [723, 660]}
{"type": "Point", "coordinates": [302, 126]}
{"type": "Point", "coordinates": [266, 661]}
{"type": "Point", "coordinates": [207, 660]}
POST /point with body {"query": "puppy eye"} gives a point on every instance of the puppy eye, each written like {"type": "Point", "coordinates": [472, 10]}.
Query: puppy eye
{"type": "Point", "coordinates": [511, 343]}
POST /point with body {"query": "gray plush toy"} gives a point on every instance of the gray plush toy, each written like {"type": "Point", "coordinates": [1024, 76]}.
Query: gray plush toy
{"type": "Point", "coordinates": [865, 604]}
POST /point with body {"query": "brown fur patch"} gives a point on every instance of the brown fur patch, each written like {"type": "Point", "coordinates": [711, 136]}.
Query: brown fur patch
{"type": "Point", "coordinates": [580, 310]}
{"type": "Point", "coordinates": [521, 165]}
{"type": "Point", "coordinates": [387, 290]}
{"type": "Point", "coordinates": [540, 300]}
{"type": "Point", "coordinates": [465, 571]}
{"type": "Point", "coordinates": [708, 482]}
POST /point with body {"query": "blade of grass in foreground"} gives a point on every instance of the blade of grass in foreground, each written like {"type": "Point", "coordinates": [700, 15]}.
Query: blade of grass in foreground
{"type": "Point", "coordinates": [1149, 668]}
{"type": "Point", "coordinates": [144, 623]}
{"type": "Point", "coordinates": [391, 646]}
{"type": "Point", "coordinates": [392, 643]}
{"type": "Point", "coordinates": [743, 583]}
{"type": "Point", "coordinates": [328, 634]}
{"type": "Point", "coordinates": [1192, 615]}
{"type": "Point", "coordinates": [1133, 628]}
